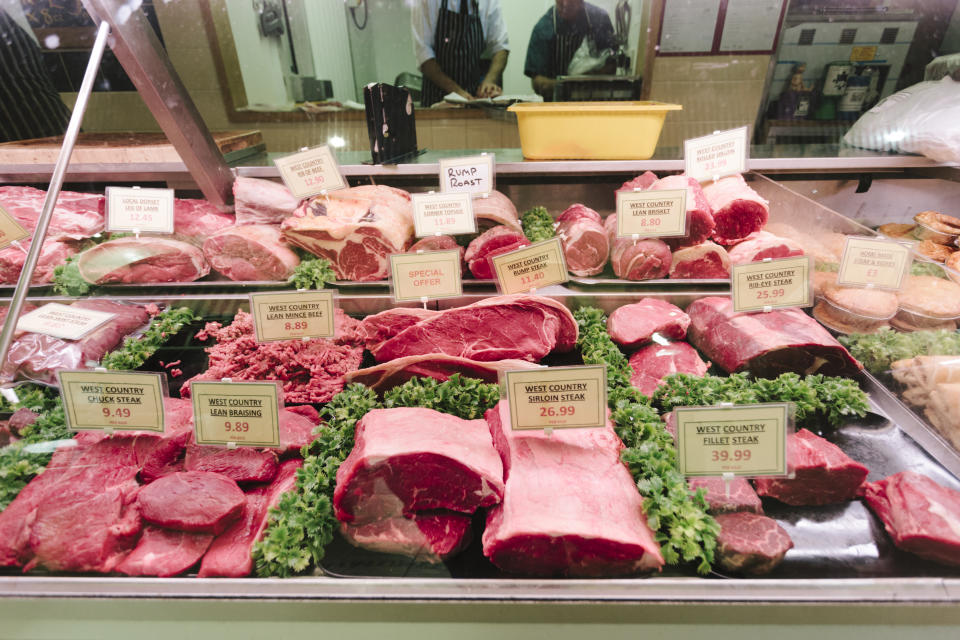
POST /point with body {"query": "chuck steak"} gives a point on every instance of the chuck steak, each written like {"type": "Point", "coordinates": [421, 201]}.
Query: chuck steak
{"type": "Point", "coordinates": [643, 259]}
{"type": "Point", "coordinates": [570, 507]}
{"type": "Point", "coordinates": [634, 325]}
{"type": "Point", "coordinates": [654, 362]}
{"type": "Point", "coordinates": [410, 459]}
{"type": "Point", "coordinates": [439, 366]}
{"type": "Point", "coordinates": [490, 243]}
{"type": "Point", "coordinates": [586, 246]}
{"type": "Point", "coordinates": [197, 501]}
{"type": "Point", "coordinates": [165, 552]}
{"type": "Point", "coordinates": [428, 536]}
{"type": "Point", "coordinates": [495, 209]}
{"type": "Point", "coordinates": [824, 473]}
{"type": "Point", "coordinates": [741, 496]}
{"type": "Point", "coordinates": [75, 216]}
{"type": "Point", "coordinates": [704, 260]}
{"type": "Point", "coordinates": [760, 245]}
{"type": "Point", "coordinates": [738, 210]}
{"type": "Point", "coordinates": [920, 515]}
{"type": "Point", "coordinates": [251, 252]}
{"type": "Point", "coordinates": [495, 328]}
{"type": "Point", "coordinates": [766, 344]}
{"type": "Point", "coordinates": [750, 543]}
{"type": "Point", "coordinates": [259, 201]}
{"type": "Point", "coordinates": [356, 229]}
{"type": "Point", "coordinates": [147, 259]}
{"type": "Point", "coordinates": [700, 222]}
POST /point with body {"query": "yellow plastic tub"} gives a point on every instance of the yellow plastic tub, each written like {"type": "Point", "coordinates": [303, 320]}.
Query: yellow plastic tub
{"type": "Point", "coordinates": [590, 130]}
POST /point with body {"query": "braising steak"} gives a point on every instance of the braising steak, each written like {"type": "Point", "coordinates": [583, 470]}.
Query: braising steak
{"type": "Point", "coordinates": [198, 501]}
{"type": "Point", "coordinates": [165, 552]}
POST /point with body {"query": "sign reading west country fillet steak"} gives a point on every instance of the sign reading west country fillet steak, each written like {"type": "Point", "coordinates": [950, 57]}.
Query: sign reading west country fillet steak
{"type": "Point", "coordinates": [557, 397]}
{"type": "Point", "coordinates": [245, 414]}
{"type": "Point", "coordinates": [534, 267]}
{"type": "Point", "coordinates": [652, 214]}
{"type": "Point", "coordinates": [139, 210]}
{"type": "Point", "coordinates": [114, 400]}
{"type": "Point", "coordinates": [310, 172]}
{"type": "Point", "coordinates": [743, 440]}
{"type": "Point", "coordinates": [10, 229]}
{"type": "Point", "coordinates": [773, 284]}
{"type": "Point", "coordinates": [289, 315]}
{"type": "Point", "coordinates": [874, 262]}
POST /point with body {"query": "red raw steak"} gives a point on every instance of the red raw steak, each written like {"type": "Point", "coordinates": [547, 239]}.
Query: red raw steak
{"type": "Point", "coordinates": [251, 252]}
{"type": "Point", "coordinates": [376, 329]}
{"type": "Point", "coordinates": [740, 497]}
{"type": "Point", "coordinates": [654, 362]}
{"type": "Point", "coordinates": [164, 552]}
{"type": "Point", "coordinates": [196, 501]}
{"type": "Point", "coordinates": [634, 325]}
{"type": "Point", "coordinates": [738, 210]}
{"type": "Point", "coordinates": [700, 222]}
{"type": "Point", "coordinates": [761, 245]}
{"type": "Point", "coordinates": [438, 366]}
{"type": "Point", "coordinates": [750, 543]}
{"type": "Point", "coordinates": [243, 464]}
{"type": "Point", "coordinates": [586, 246]}
{"type": "Point", "coordinates": [490, 243]}
{"type": "Point", "coordinates": [706, 260]}
{"type": "Point", "coordinates": [430, 537]}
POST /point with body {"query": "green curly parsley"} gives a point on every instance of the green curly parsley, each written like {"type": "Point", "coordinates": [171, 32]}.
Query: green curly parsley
{"type": "Point", "coordinates": [465, 398]}
{"type": "Point", "coordinates": [877, 351]}
{"type": "Point", "coordinates": [312, 273]}
{"type": "Point", "coordinates": [537, 224]}
{"type": "Point", "coordinates": [136, 350]}
{"type": "Point", "coordinates": [67, 280]}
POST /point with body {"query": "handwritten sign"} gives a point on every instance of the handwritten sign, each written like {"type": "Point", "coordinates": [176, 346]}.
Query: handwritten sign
{"type": "Point", "coordinates": [557, 397]}
{"type": "Point", "coordinates": [310, 172]}
{"type": "Point", "coordinates": [721, 154]}
{"type": "Point", "coordinates": [443, 213]}
{"type": "Point", "coordinates": [62, 321]}
{"type": "Point", "coordinates": [288, 315]}
{"type": "Point", "coordinates": [431, 274]}
{"type": "Point", "coordinates": [103, 400]}
{"type": "Point", "coordinates": [244, 413]}
{"type": "Point", "coordinates": [652, 214]}
{"type": "Point", "coordinates": [874, 262]}
{"type": "Point", "coordinates": [472, 174]}
{"type": "Point", "coordinates": [744, 440]}
{"type": "Point", "coordinates": [773, 284]}
{"type": "Point", "coordinates": [10, 229]}
{"type": "Point", "coordinates": [139, 210]}
{"type": "Point", "coordinates": [534, 267]}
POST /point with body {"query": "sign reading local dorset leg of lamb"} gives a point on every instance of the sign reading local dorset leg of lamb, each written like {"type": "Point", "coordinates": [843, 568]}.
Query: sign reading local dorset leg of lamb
{"type": "Point", "coordinates": [241, 413]}
{"type": "Point", "coordinates": [539, 265]}
{"type": "Point", "coordinates": [139, 210]}
{"type": "Point", "coordinates": [10, 229]}
{"type": "Point", "coordinates": [112, 400]}
{"type": "Point", "coordinates": [443, 214]}
{"type": "Point", "coordinates": [652, 214]}
{"type": "Point", "coordinates": [426, 275]}
{"type": "Point", "coordinates": [723, 153]}
{"type": "Point", "coordinates": [310, 172]}
{"type": "Point", "coordinates": [874, 262]}
{"type": "Point", "coordinates": [472, 174]}
{"type": "Point", "coordinates": [557, 397]}
{"type": "Point", "coordinates": [288, 315]}
{"type": "Point", "coordinates": [772, 284]}
{"type": "Point", "coordinates": [742, 440]}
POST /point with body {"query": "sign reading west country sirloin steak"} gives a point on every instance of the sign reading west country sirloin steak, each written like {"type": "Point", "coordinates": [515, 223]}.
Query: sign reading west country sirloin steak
{"type": "Point", "coordinates": [557, 397]}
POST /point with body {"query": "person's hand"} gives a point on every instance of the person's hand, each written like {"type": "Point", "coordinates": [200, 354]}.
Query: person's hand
{"type": "Point", "coordinates": [488, 89]}
{"type": "Point", "coordinates": [463, 93]}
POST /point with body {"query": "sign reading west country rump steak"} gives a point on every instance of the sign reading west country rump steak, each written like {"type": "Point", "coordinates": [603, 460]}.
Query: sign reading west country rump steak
{"type": "Point", "coordinates": [534, 267]}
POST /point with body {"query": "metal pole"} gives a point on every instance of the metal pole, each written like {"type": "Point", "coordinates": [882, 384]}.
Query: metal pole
{"type": "Point", "coordinates": [56, 181]}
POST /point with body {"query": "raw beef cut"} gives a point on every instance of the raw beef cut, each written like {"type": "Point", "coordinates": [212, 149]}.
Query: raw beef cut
{"type": "Point", "coordinates": [490, 243]}
{"type": "Point", "coordinates": [824, 473]}
{"type": "Point", "coordinates": [377, 329]}
{"type": "Point", "coordinates": [243, 464]}
{"type": "Point", "coordinates": [921, 516]}
{"type": "Point", "coordinates": [54, 252]}
{"type": "Point", "coordinates": [654, 362]}
{"type": "Point", "coordinates": [438, 366]}
{"type": "Point", "coordinates": [644, 259]}
{"type": "Point", "coordinates": [259, 201]}
{"type": "Point", "coordinates": [766, 344]}
{"type": "Point", "coordinates": [738, 210]}
{"type": "Point", "coordinates": [195, 220]}
{"type": "Point", "coordinates": [570, 507]}
{"type": "Point", "coordinates": [750, 543]}
{"type": "Point", "coordinates": [429, 536]}
{"type": "Point", "coordinates": [643, 181]}
{"type": "Point", "coordinates": [740, 497]}
{"type": "Point", "coordinates": [310, 370]}
{"type": "Point", "coordinates": [143, 260]}
{"type": "Point", "coordinates": [700, 222]}
{"type": "Point", "coordinates": [409, 459]}
{"type": "Point", "coordinates": [230, 555]}
{"type": "Point", "coordinates": [760, 245]}
{"type": "Point", "coordinates": [495, 209]}
{"type": "Point", "coordinates": [164, 552]}
{"type": "Point", "coordinates": [633, 325]}
{"type": "Point", "coordinates": [76, 215]}
{"type": "Point", "coordinates": [496, 328]}
{"type": "Point", "coordinates": [436, 243]}
{"type": "Point", "coordinates": [296, 429]}
{"type": "Point", "coordinates": [586, 246]}
{"type": "Point", "coordinates": [705, 260]}
{"type": "Point", "coordinates": [197, 501]}
{"type": "Point", "coordinates": [356, 229]}
{"type": "Point", "coordinates": [251, 252]}
{"type": "Point", "coordinates": [39, 356]}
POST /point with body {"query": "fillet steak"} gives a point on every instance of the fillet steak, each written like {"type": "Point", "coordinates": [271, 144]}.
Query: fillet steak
{"type": "Point", "coordinates": [921, 516]}
{"type": "Point", "coordinates": [586, 246]}
{"type": "Point", "coordinates": [654, 362]}
{"type": "Point", "coordinates": [251, 252]}
{"type": "Point", "coordinates": [760, 245]}
{"type": "Point", "coordinates": [824, 473]}
{"type": "Point", "coordinates": [75, 216]}
{"type": "Point", "coordinates": [700, 222]}
{"type": "Point", "coordinates": [259, 201]}
{"type": "Point", "coordinates": [164, 552]}
{"type": "Point", "coordinates": [750, 543]}
{"type": "Point", "coordinates": [643, 259]}
{"type": "Point", "coordinates": [147, 259]}
{"type": "Point", "coordinates": [634, 325]}
{"type": "Point", "coordinates": [738, 210]}
{"type": "Point", "coordinates": [704, 260]}
{"type": "Point", "coordinates": [197, 501]}
{"type": "Point", "coordinates": [766, 344]}
{"type": "Point", "coordinates": [741, 496]}
{"type": "Point", "coordinates": [570, 507]}
{"type": "Point", "coordinates": [490, 243]}
{"type": "Point", "coordinates": [438, 366]}
{"type": "Point", "coordinates": [409, 459]}
{"type": "Point", "coordinates": [427, 536]}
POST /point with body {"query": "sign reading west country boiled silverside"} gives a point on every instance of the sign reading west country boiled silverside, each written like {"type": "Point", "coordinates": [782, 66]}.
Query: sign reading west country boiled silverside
{"type": "Point", "coordinates": [310, 172]}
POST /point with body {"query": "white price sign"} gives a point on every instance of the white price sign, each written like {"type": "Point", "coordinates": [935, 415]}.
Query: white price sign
{"type": "Point", "coordinates": [722, 154]}
{"type": "Point", "coordinates": [472, 174]}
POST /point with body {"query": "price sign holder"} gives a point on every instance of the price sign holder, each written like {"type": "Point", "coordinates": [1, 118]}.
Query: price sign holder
{"type": "Point", "coordinates": [236, 414]}
{"type": "Point", "coordinates": [139, 210]}
{"type": "Point", "coordinates": [475, 175]}
{"type": "Point", "coordinates": [772, 284]}
{"type": "Point", "coordinates": [556, 397]}
{"type": "Point", "coordinates": [310, 171]}
{"type": "Point", "coordinates": [62, 321]}
{"type": "Point", "coordinates": [443, 214]}
{"type": "Point", "coordinates": [425, 275]}
{"type": "Point", "coordinates": [652, 214]}
{"type": "Point", "coordinates": [874, 262]}
{"type": "Point", "coordinates": [10, 230]}
{"type": "Point", "coordinates": [289, 315]}
{"type": "Point", "coordinates": [742, 440]}
{"type": "Point", "coordinates": [720, 154]}
{"type": "Point", "coordinates": [530, 268]}
{"type": "Point", "coordinates": [113, 400]}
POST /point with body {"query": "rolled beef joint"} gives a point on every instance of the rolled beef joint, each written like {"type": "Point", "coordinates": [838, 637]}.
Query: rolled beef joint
{"type": "Point", "coordinates": [586, 246]}
{"type": "Point", "coordinates": [700, 223]}
{"type": "Point", "coordinates": [643, 259]}
{"type": "Point", "coordinates": [706, 260]}
{"type": "Point", "coordinates": [490, 243]}
{"type": "Point", "coordinates": [738, 210]}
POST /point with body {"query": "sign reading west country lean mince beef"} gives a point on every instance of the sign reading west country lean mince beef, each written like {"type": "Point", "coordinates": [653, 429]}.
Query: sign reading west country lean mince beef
{"type": "Point", "coordinates": [241, 413]}
{"type": "Point", "coordinates": [139, 210]}
{"type": "Point", "coordinates": [112, 400]}
{"type": "Point", "coordinates": [557, 397]}
{"type": "Point", "coordinates": [310, 172]}
{"type": "Point", "coordinates": [743, 440]}
{"type": "Point", "coordinates": [534, 267]}
{"type": "Point", "coordinates": [773, 284]}
{"type": "Point", "coordinates": [288, 315]}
